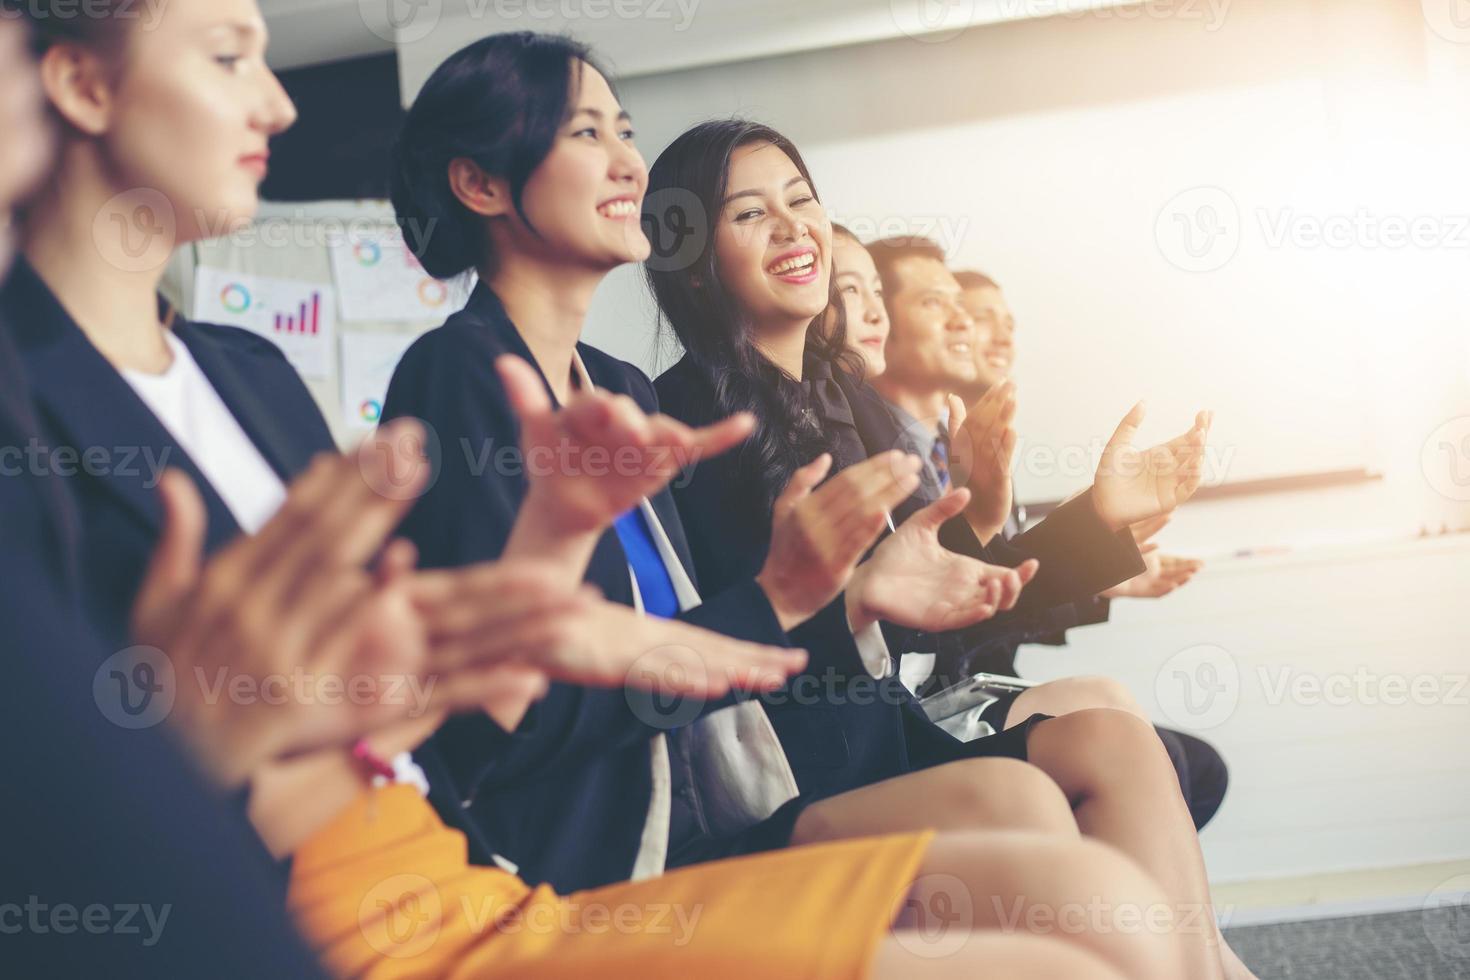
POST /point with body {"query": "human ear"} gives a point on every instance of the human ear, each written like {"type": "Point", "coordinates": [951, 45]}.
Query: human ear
{"type": "Point", "coordinates": [478, 191]}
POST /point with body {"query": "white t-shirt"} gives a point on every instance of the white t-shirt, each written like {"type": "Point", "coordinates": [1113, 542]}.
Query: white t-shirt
{"type": "Point", "coordinates": [193, 412]}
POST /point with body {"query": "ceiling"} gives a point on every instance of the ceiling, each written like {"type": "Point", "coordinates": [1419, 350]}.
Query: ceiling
{"type": "Point", "coordinates": [638, 37]}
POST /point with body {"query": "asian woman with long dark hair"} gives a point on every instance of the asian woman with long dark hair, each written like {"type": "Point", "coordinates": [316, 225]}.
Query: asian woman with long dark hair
{"type": "Point", "coordinates": [753, 309]}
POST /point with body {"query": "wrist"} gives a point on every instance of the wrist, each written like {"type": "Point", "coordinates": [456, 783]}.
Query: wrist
{"type": "Point", "coordinates": [787, 615]}
{"type": "Point", "coordinates": [542, 532]}
{"type": "Point", "coordinates": [230, 757]}
{"type": "Point", "coordinates": [858, 616]}
{"type": "Point", "coordinates": [1109, 521]}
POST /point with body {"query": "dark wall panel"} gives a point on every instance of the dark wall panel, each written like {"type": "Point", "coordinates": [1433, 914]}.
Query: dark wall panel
{"type": "Point", "coordinates": [350, 114]}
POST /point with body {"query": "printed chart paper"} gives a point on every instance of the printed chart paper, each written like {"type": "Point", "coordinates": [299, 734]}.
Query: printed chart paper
{"type": "Point", "coordinates": [300, 317]}
{"type": "Point", "coordinates": [380, 280]}
{"type": "Point", "coordinates": [368, 360]}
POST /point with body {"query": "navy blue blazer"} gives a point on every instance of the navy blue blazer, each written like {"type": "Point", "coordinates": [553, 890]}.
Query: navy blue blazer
{"type": "Point", "coordinates": [85, 406]}
{"type": "Point", "coordinates": [101, 815]}
{"type": "Point", "coordinates": [564, 796]}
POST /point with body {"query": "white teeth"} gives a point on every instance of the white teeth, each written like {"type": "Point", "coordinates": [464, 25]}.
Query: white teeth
{"type": "Point", "coordinates": [618, 209]}
{"type": "Point", "coordinates": [802, 261]}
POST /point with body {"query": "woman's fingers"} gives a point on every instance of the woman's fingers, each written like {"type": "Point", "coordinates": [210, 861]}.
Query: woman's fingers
{"type": "Point", "coordinates": [349, 526]}
{"type": "Point", "coordinates": [799, 487]}
{"type": "Point", "coordinates": [587, 418]}
{"type": "Point", "coordinates": [397, 562]}
{"type": "Point", "coordinates": [957, 416]}
{"type": "Point", "coordinates": [1008, 589]}
{"type": "Point", "coordinates": [723, 436]}
{"type": "Point", "coordinates": [880, 482]}
{"type": "Point", "coordinates": [932, 517]}
{"type": "Point", "coordinates": [524, 388]}
{"type": "Point", "coordinates": [678, 658]}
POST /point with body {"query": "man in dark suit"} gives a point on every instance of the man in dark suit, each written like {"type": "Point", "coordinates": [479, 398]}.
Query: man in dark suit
{"type": "Point", "coordinates": [938, 346]}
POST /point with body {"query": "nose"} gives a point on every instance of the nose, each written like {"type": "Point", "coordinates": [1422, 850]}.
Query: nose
{"type": "Point", "coordinates": [790, 227]}
{"type": "Point", "coordinates": [626, 166]}
{"type": "Point", "coordinates": [873, 312]}
{"type": "Point", "coordinates": [277, 112]}
{"type": "Point", "coordinates": [1005, 333]}
{"type": "Point", "coordinates": [960, 321]}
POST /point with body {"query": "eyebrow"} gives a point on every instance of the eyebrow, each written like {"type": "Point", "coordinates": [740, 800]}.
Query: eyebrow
{"type": "Point", "coordinates": [798, 179]}
{"type": "Point", "coordinates": [599, 115]}
{"type": "Point", "coordinates": [241, 28]}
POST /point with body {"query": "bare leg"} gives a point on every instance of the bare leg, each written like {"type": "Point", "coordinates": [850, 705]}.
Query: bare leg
{"type": "Point", "coordinates": [1062, 697]}
{"type": "Point", "coordinates": [901, 957]}
{"type": "Point", "coordinates": [1124, 791]}
{"type": "Point", "coordinates": [1080, 893]}
{"type": "Point", "coordinates": [991, 794]}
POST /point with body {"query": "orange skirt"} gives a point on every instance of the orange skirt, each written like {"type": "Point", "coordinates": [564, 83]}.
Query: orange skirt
{"type": "Point", "coordinates": [386, 891]}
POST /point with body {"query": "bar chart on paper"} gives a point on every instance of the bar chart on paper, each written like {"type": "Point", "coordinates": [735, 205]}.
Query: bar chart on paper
{"type": "Point", "coordinates": [306, 321]}
{"type": "Point", "coordinates": [297, 316]}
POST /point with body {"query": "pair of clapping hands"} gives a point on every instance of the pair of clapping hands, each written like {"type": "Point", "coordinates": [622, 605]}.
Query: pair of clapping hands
{"type": "Point", "coordinates": [1132, 488]}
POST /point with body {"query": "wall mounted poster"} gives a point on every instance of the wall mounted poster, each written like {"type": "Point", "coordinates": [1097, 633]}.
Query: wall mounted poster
{"type": "Point", "coordinates": [380, 280]}
{"type": "Point", "coordinates": [368, 360]}
{"type": "Point", "coordinates": [299, 317]}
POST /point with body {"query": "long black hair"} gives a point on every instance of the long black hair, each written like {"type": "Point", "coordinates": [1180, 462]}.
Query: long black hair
{"type": "Point", "coordinates": [500, 102]}
{"type": "Point", "coordinates": [694, 172]}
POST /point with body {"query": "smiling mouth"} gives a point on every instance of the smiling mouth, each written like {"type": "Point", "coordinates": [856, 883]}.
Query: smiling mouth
{"type": "Point", "coordinates": [962, 348]}
{"type": "Point", "coordinates": [797, 266]}
{"type": "Point", "coordinates": [623, 208]}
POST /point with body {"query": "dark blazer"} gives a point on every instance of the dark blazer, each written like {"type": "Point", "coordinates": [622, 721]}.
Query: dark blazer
{"type": "Point", "coordinates": [98, 814]}
{"type": "Point", "coordinates": [566, 795]}
{"type": "Point", "coordinates": [86, 407]}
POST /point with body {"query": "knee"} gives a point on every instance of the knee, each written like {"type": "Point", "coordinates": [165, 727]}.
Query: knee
{"type": "Point", "coordinates": [1115, 739]}
{"type": "Point", "coordinates": [1006, 793]}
